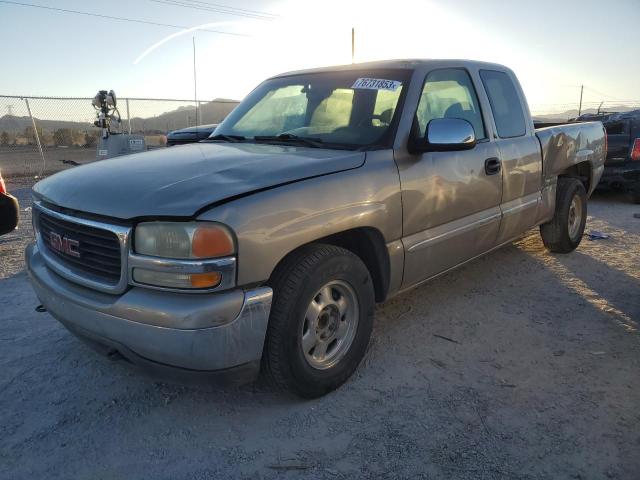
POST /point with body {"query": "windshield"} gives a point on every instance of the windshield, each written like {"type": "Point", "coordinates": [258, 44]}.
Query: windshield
{"type": "Point", "coordinates": [350, 109]}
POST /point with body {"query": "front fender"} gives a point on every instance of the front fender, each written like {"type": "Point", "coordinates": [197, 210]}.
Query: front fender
{"type": "Point", "coordinates": [270, 224]}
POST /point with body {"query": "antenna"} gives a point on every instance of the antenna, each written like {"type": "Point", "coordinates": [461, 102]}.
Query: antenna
{"type": "Point", "coordinates": [353, 44]}
{"type": "Point", "coordinates": [195, 82]}
{"type": "Point", "coordinates": [580, 107]}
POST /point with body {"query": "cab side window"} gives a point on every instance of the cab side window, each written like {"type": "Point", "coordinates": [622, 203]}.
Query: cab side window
{"type": "Point", "coordinates": [449, 93]}
{"type": "Point", "coordinates": [505, 103]}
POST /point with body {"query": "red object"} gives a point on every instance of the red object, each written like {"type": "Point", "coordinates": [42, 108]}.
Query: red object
{"type": "Point", "coordinates": [635, 151]}
{"type": "Point", "coordinates": [3, 188]}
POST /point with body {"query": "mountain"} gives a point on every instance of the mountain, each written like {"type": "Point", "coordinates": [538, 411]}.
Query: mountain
{"type": "Point", "coordinates": [564, 116]}
{"type": "Point", "coordinates": [184, 116]}
{"type": "Point", "coordinates": [14, 124]}
{"type": "Point", "coordinates": [210, 112]}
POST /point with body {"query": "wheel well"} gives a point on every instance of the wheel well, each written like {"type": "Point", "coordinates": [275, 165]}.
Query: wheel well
{"type": "Point", "coordinates": [581, 171]}
{"type": "Point", "coordinates": [369, 245]}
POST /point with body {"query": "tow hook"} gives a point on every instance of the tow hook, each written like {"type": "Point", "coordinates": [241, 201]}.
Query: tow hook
{"type": "Point", "coordinates": [40, 309]}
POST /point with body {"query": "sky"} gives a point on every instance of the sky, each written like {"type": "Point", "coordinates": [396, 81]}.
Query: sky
{"type": "Point", "coordinates": [553, 46]}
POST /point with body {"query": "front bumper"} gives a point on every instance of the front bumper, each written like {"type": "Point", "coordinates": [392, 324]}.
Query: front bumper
{"type": "Point", "coordinates": [196, 335]}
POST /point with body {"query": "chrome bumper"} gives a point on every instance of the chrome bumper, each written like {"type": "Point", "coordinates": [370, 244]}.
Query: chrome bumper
{"type": "Point", "coordinates": [206, 332]}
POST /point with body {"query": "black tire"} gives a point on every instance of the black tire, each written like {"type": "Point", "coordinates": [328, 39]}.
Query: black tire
{"type": "Point", "coordinates": [635, 195]}
{"type": "Point", "coordinates": [556, 234]}
{"type": "Point", "coordinates": [296, 283]}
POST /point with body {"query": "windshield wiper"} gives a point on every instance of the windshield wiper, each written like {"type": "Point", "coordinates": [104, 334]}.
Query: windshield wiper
{"type": "Point", "coordinates": [291, 138]}
{"type": "Point", "coordinates": [227, 138]}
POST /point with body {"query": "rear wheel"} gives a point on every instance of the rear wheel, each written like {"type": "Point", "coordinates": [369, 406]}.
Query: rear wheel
{"type": "Point", "coordinates": [321, 320]}
{"type": "Point", "coordinates": [564, 232]}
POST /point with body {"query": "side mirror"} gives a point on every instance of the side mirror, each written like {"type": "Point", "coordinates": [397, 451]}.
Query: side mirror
{"type": "Point", "coordinates": [446, 134]}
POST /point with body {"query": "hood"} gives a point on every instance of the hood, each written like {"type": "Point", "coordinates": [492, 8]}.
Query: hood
{"type": "Point", "coordinates": [179, 182]}
{"type": "Point", "coordinates": [193, 130]}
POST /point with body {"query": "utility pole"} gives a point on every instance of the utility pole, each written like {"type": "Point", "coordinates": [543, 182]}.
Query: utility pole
{"type": "Point", "coordinates": [580, 107]}
{"type": "Point", "coordinates": [353, 45]}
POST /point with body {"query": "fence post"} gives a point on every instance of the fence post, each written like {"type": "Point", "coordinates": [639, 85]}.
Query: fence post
{"type": "Point", "coordinates": [35, 130]}
{"type": "Point", "coordinates": [128, 116]}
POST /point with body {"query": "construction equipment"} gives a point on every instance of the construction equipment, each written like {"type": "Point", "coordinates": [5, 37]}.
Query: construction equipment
{"type": "Point", "coordinates": [113, 142]}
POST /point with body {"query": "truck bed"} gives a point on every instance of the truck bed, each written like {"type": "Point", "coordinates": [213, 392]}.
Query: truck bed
{"type": "Point", "coordinates": [567, 145]}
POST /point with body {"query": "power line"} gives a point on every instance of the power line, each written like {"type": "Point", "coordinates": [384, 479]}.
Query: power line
{"type": "Point", "coordinates": [600, 93]}
{"type": "Point", "coordinates": [591, 102]}
{"type": "Point", "coordinates": [217, 9]}
{"type": "Point", "coordinates": [258, 12]}
{"type": "Point", "coordinates": [181, 4]}
{"type": "Point", "coordinates": [122, 19]}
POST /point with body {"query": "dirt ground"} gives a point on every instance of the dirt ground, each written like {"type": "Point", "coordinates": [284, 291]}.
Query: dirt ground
{"type": "Point", "coordinates": [26, 160]}
{"type": "Point", "coordinates": [520, 365]}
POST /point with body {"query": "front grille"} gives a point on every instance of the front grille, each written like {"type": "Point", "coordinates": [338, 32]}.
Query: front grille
{"type": "Point", "coordinates": [96, 253]}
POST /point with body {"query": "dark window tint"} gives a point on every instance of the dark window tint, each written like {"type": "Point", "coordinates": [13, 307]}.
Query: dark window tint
{"type": "Point", "coordinates": [505, 103]}
{"type": "Point", "coordinates": [616, 128]}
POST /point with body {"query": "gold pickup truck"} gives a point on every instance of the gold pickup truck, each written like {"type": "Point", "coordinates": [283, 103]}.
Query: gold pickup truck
{"type": "Point", "coordinates": [266, 246]}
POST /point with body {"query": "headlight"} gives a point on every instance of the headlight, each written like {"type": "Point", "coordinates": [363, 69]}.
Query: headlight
{"type": "Point", "coordinates": [183, 240]}
{"type": "Point", "coordinates": [187, 255]}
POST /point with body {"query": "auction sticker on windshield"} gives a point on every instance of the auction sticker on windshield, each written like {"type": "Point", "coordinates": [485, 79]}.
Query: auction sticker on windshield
{"type": "Point", "coordinates": [376, 84]}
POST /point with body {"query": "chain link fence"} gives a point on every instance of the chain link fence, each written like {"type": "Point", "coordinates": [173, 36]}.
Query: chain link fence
{"type": "Point", "coordinates": [43, 135]}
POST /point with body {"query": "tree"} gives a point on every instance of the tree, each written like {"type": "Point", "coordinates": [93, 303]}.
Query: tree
{"type": "Point", "coordinates": [90, 139]}
{"type": "Point", "coordinates": [63, 137]}
{"type": "Point", "coordinates": [46, 139]}
{"type": "Point", "coordinates": [78, 137]}
{"type": "Point", "coordinates": [30, 135]}
{"type": "Point", "coordinates": [4, 139]}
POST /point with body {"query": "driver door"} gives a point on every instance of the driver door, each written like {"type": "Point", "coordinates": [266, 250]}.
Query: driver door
{"type": "Point", "coordinates": [451, 200]}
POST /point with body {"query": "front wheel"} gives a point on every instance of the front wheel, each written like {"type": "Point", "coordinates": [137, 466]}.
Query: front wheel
{"type": "Point", "coordinates": [320, 322]}
{"type": "Point", "coordinates": [564, 232]}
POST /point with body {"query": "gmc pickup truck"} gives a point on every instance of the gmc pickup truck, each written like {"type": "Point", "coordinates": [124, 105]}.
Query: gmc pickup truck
{"type": "Point", "coordinates": [266, 247]}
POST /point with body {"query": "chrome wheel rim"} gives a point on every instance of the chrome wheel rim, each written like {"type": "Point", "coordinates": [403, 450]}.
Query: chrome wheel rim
{"type": "Point", "coordinates": [329, 325]}
{"type": "Point", "coordinates": [575, 217]}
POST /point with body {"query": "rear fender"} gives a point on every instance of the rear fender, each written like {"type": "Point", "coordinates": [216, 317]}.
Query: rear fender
{"type": "Point", "coordinates": [569, 149]}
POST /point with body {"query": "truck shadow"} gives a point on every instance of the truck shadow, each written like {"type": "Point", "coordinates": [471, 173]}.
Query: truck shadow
{"type": "Point", "coordinates": [607, 288]}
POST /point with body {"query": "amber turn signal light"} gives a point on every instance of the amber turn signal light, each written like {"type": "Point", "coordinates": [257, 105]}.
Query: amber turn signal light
{"type": "Point", "coordinates": [205, 280]}
{"type": "Point", "coordinates": [210, 241]}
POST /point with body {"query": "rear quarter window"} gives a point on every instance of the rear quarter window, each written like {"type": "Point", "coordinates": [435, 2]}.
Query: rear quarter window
{"type": "Point", "coordinates": [505, 103]}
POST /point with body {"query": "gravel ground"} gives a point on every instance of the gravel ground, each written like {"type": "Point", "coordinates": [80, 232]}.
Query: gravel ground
{"type": "Point", "coordinates": [519, 365]}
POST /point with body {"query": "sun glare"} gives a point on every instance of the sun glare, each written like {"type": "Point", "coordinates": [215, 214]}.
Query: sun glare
{"type": "Point", "coordinates": [304, 38]}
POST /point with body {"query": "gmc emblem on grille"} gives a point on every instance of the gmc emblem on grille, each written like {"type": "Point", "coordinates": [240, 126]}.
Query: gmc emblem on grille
{"type": "Point", "coordinates": [65, 245]}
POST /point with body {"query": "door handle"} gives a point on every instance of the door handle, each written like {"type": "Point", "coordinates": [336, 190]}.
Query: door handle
{"type": "Point", "coordinates": [492, 166]}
